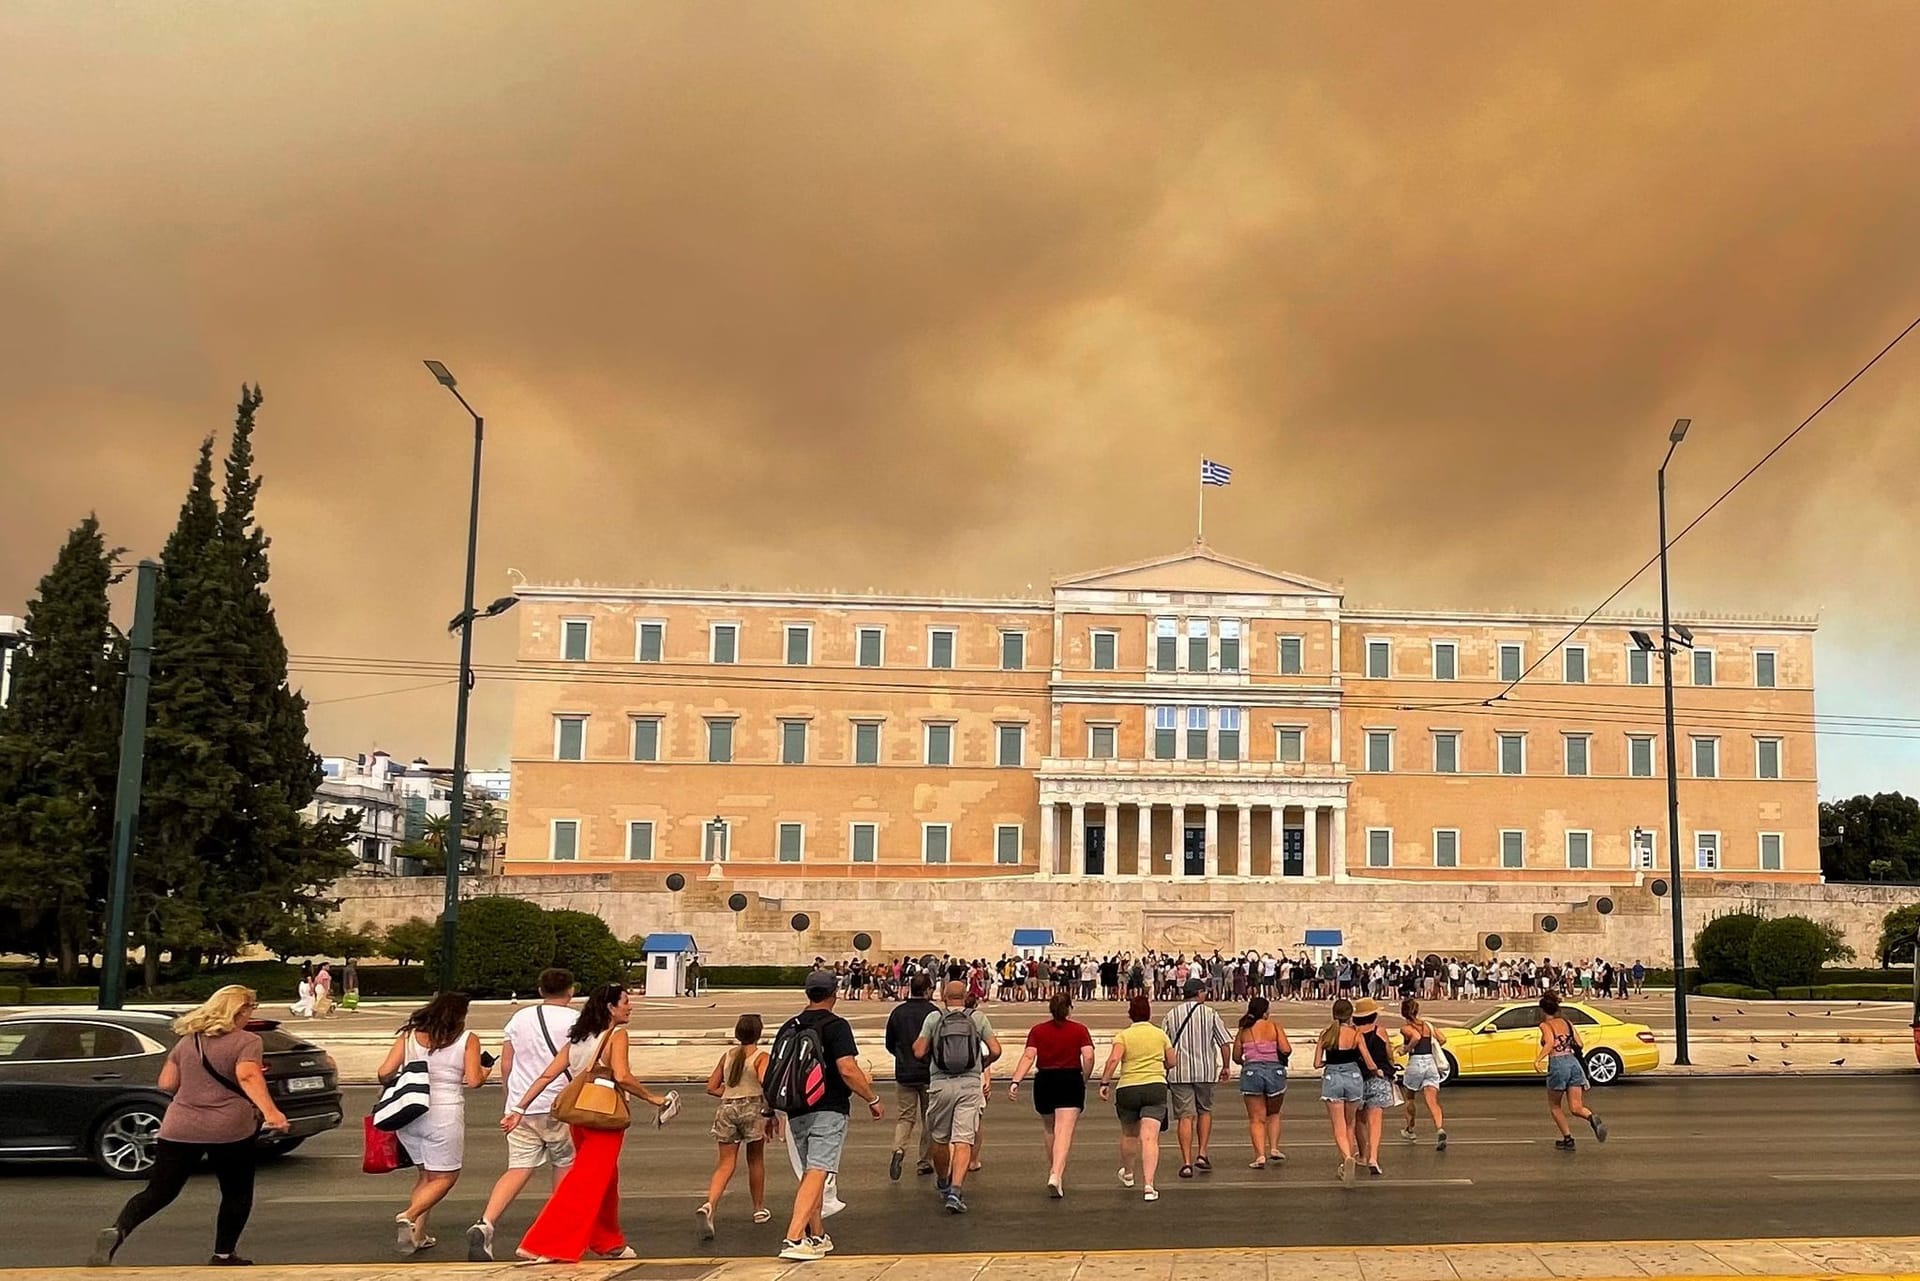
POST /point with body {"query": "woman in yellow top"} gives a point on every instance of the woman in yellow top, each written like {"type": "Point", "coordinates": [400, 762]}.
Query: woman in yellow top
{"type": "Point", "coordinates": [1141, 1055]}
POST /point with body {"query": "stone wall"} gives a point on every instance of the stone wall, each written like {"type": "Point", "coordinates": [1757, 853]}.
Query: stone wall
{"type": "Point", "coordinates": [979, 916]}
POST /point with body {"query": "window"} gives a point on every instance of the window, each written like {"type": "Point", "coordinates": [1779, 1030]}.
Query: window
{"type": "Point", "coordinates": [63, 1041]}
{"type": "Point", "coordinates": [939, 744]}
{"type": "Point", "coordinates": [1645, 849]}
{"type": "Point", "coordinates": [639, 841]}
{"type": "Point", "coordinates": [1379, 751]}
{"type": "Point", "coordinates": [1012, 745]}
{"type": "Point", "coordinates": [1290, 744]}
{"type": "Point", "coordinates": [935, 842]}
{"type": "Point", "coordinates": [799, 645]}
{"type": "Point", "coordinates": [863, 842]}
{"type": "Point", "coordinates": [1513, 753]}
{"type": "Point", "coordinates": [1229, 741]}
{"type": "Point", "coordinates": [1770, 847]}
{"type": "Point", "coordinates": [1006, 844]}
{"type": "Point", "coordinates": [1639, 666]}
{"type": "Point", "coordinates": [1197, 638]}
{"type": "Point", "coordinates": [1379, 659]}
{"type": "Point", "coordinates": [1514, 1020]}
{"type": "Point", "coordinates": [1196, 733]}
{"type": "Point", "coordinates": [1229, 644]}
{"type": "Point", "coordinates": [646, 738]}
{"type": "Point", "coordinates": [1703, 667]}
{"type": "Point", "coordinates": [1510, 661]}
{"type": "Point", "coordinates": [1446, 661]}
{"type": "Point", "coordinates": [1166, 644]}
{"type": "Point", "coordinates": [1106, 647]}
{"type": "Point", "coordinates": [563, 840]}
{"type": "Point", "coordinates": [1765, 664]}
{"type": "Point", "coordinates": [569, 738]}
{"type": "Point", "coordinates": [1166, 729]}
{"type": "Point", "coordinates": [1579, 851]}
{"type": "Point", "coordinates": [1100, 742]}
{"type": "Point", "coordinates": [1379, 847]}
{"type": "Point", "coordinates": [650, 643]}
{"type": "Point", "coordinates": [1446, 751]}
{"type": "Point", "coordinates": [574, 635]}
{"type": "Point", "coordinates": [1706, 758]}
{"type": "Point", "coordinates": [866, 742]}
{"type": "Point", "coordinates": [1576, 755]}
{"type": "Point", "coordinates": [940, 647]}
{"type": "Point", "coordinates": [1706, 851]}
{"type": "Point", "coordinates": [1766, 758]}
{"type": "Point", "coordinates": [792, 842]}
{"type": "Point", "coordinates": [1575, 664]}
{"type": "Point", "coordinates": [1640, 755]}
{"type": "Point", "coordinates": [793, 742]}
{"type": "Point", "coordinates": [1513, 849]}
{"type": "Point", "coordinates": [719, 742]}
{"type": "Point", "coordinates": [1446, 847]}
{"type": "Point", "coordinates": [723, 644]}
{"type": "Point", "coordinates": [1013, 651]}
{"type": "Point", "coordinates": [1290, 655]}
{"type": "Point", "coordinates": [871, 646]}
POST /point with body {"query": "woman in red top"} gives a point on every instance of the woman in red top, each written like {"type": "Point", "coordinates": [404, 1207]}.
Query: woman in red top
{"type": "Point", "coordinates": [1063, 1049]}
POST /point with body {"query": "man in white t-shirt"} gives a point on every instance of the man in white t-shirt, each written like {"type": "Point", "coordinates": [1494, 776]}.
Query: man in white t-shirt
{"type": "Point", "coordinates": [532, 1037]}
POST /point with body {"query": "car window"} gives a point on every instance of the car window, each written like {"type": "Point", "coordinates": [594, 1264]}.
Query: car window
{"type": "Point", "coordinates": [1524, 1016]}
{"type": "Point", "coordinates": [68, 1042]}
{"type": "Point", "coordinates": [274, 1041]}
{"type": "Point", "coordinates": [1579, 1018]}
{"type": "Point", "coordinates": [13, 1037]}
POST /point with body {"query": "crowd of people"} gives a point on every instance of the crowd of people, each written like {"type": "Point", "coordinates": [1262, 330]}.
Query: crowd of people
{"type": "Point", "coordinates": [568, 1076]}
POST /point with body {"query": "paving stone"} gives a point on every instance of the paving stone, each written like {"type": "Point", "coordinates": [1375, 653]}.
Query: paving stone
{"type": "Point", "coordinates": [1416, 1264]}
{"type": "Point", "coordinates": [1677, 1259]}
{"type": "Point", "coordinates": [1603, 1259]}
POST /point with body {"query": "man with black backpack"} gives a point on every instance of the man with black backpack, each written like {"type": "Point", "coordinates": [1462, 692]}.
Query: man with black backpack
{"type": "Point", "coordinates": [952, 1041]}
{"type": "Point", "coordinates": [813, 1071]}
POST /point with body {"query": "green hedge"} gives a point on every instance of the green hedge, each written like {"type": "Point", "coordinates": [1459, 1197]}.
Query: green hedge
{"type": "Point", "coordinates": [1849, 992]}
{"type": "Point", "coordinates": [1733, 991]}
{"type": "Point", "coordinates": [378, 982]}
{"type": "Point", "coordinates": [11, 995]}
{"type": "Point", "coordinates": [779, 976]}
{"type": "Point", "coordinates": [62, 996]}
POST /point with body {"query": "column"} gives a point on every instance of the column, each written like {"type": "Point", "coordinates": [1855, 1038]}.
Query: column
{"type": "Point", "coordinates": [1077, 840]}
{"type": "Point", "coordinates": [1049, 824]}
{"type": "Point", "coordinates": [1213, 840]}
{"type": "Point", "coordinates": [1276, 862]}
{"type": "Point", "coordinates": [1337, 851]}
{"type": "Point", "coordinates": [1310, 853]}
{"type": "Point", "coordinates": [1110, 827]}
{"type": "Point", "coordinates": [1143, 842]}
{"type": "Point", "coordinates": [1245, 866]}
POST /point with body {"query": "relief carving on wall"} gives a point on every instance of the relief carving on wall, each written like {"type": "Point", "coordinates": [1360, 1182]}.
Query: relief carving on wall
{"type": "Point", "coordinates": [1187, 932]}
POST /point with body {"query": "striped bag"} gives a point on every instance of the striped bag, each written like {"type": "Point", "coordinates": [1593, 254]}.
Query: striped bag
{"type": "Point", "coordinates": [404, 1100]}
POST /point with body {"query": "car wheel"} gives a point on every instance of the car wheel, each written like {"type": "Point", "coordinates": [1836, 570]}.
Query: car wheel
{"type": "Point", "coordinates": [1604, 1067]}
{"type": "Point", "coordinates": [281, 1147]}
{"type": "Point", "coordinates": [124, 1144]}
{"type": "Point", "coordinates": [1449, 1066]}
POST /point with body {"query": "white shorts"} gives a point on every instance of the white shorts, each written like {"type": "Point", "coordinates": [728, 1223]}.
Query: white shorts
{"type": "Point", "coordinates": [539, 1140]}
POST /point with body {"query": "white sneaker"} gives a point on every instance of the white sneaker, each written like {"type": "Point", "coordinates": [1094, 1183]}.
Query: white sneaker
{"type": "Point", "coordinates": [671, 1110]}
{"type": "Point", "coordinates": [1126, 1178]}
{"type": "Point", "coordinates": [824, 1241]}
{"type": "Point", "coordinates": [480, 1242]}
{"type": "Point", "coordinates": [801, 1251]}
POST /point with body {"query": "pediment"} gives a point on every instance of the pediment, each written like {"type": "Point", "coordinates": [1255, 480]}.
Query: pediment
{"type": "Point", "coordinates": [1198, 569]}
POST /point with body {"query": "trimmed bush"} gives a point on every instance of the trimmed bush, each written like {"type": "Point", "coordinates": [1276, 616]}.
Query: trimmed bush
{"type": "Point", "coordinates": [61, 996]}
{"type": "Point", "coordinates": [584, 945]}
{"type": "Point", "coordinates": [1733, 992]}
{"type": "Point", "coordinates": [1788, 951]}
{"type": "Point", "coordinates": [12, 995]}
{"type": "Point", "coordinates": [379, 982]}
{"type": "Point", "coordinates": [1723, 948]}
{"type": "Point", "coordinates": [790, 977]}
{"type": "Point", "coordinates": [504, 943]}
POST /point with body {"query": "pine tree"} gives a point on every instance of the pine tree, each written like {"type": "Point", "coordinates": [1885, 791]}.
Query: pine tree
{"type": "Point", "coordinates": [58, 754]}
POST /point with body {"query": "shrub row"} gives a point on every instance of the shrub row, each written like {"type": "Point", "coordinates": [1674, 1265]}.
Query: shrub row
{"type": "Point", "coordinates": [504, 943]}
{"type": "Point", "coordinates": [774, 976]}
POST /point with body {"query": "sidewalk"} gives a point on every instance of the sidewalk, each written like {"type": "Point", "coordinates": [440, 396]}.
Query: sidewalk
{"type": "Point", "coordinates": [1876, 1257]}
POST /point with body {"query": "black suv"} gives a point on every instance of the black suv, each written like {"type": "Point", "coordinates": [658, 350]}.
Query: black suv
{"type": "Point", "coordinates": [86, 1084]}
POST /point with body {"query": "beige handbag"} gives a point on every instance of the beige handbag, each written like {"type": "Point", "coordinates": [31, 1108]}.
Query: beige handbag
{"type": "Point", "coordinates": [594, 1099]}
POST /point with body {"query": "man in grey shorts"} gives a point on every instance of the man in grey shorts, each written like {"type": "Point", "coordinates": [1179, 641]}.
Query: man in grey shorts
{"type": "Point", "coordinates": [951, 1042]}
{"type": "Point", "coordinates": [1198, 1037]}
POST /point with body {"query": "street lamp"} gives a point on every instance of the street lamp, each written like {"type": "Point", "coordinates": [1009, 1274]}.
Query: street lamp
{"type": "Point", "coordinates": [1668, 639]}
{"type": "Point", "coordinates": [463, 623]}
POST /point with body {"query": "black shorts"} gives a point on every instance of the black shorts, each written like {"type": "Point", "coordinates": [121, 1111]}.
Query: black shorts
{"type": "Point", "coordinates": [1056, 1088]}
{"type": "Point", "coordinates": [1134, 1103]}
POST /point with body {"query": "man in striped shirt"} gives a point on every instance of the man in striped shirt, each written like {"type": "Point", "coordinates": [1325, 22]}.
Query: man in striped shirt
{"type": "Point", "coordinates": [1198, 1037]}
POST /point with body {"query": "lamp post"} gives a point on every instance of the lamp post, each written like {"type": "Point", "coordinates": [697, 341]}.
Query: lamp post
{"type": "Point", "coordinates": [456, 805]}
{"type": "Point", "coordinates": [1674, 437]}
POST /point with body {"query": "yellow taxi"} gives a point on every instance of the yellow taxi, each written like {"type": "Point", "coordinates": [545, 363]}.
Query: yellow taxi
{"type": "Point", "coordinates": [1505, 1041]}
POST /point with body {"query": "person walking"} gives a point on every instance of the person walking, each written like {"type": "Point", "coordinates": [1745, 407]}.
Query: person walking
{"type": "Point", "coordinates": [819, 1132]}
{"type": "Point", "coordinates": [1261, 1048]}
{"type": "Point", "coordinates": [1062, 1051]}
{"type": "Point", "coordinates": [910, 1074]}
{"type": "Point", "coordinates": [1339, 1055]}
{"type": "Point", "coordinates": [1423, 1075]}
{"type": "Point", "coordinates": [1377, 1094]}
{"type": "Point", "coordinates": [583, 1213]}
{"type": "Point", "coordinates": [952, 1041]}
{"type": "Point", "coordinates": [437, 1141]}
{"type": "Point", "coordinates": [1198, 1037]}
{"type": "Point", "coordinates": [532, 1039]}
{"type": "Point", "coordinates": [741, 1119]}
{"type": "Point", "coordinates": [1559, 1057]}
{"type": "Point", "coordinates": [1141, 1056]}
{"type": "Point", "coordinates": [323, 992]}
{"type": "Point", "coordinates": [219, 1103]}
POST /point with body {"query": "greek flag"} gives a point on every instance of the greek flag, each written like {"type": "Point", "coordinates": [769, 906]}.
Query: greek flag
{"type": "Point", "coordinates": [1212, 473]}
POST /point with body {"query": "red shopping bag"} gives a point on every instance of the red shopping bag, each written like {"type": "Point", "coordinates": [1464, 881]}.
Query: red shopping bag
{"type": "Point", "coordinates": [380, 1150]}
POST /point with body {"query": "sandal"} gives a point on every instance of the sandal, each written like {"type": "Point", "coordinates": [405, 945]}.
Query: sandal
{"type": "Point", "coordinates": [763, 1215]}
{"type": "Point", "coordinates": [1186, 1172]}
{"type": "Point", "coordinates": [1258, 1165]}
{"type": "Point", "coordinates": [1202, 1164]}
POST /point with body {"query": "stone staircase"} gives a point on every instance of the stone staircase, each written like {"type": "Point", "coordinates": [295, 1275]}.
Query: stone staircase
{"type": "Point", "coordinates": [1581, 930]}
{"type": "Point", "coordinates": [764, 915]}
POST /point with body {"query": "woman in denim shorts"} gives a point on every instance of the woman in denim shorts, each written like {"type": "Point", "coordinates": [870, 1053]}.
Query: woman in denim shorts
{"type": "Point", "coordinates": [1339, 1055]}
{"type": "Point", "coordinates": [1424, 1073]}
{"type": "Point", "coordinates": [1261, 1049]}
{"type": "Point", "coordinates": [1377, 1094]}
{"type": "Point", "coordinates": [1559, 1055]}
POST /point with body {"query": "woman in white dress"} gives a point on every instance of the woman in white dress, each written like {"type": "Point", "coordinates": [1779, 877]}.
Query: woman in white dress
{"type": "Point", "coordinates": [303, 1008]}
{"type": "Point", "coordinates": [436, 1141]}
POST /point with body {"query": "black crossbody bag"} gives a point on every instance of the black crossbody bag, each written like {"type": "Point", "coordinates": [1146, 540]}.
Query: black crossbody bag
{"type": "Point", "coordinates": [221, 1078]}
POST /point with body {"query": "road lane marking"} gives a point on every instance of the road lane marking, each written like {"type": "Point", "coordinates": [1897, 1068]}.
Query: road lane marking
{"type": "Point", "coordinates": [1887, 1177]}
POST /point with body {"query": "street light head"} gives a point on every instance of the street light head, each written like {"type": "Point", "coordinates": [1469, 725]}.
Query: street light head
{"type": "Point", "coordinates": [1642, 640]}
{"type": "Point", "coordinates": [1684, 635]}
{"type": "Point", "coordinates": [1678, 434]}
{"type": "Point", "coordinates": [440, 373]}
{"type": "Point", "coordinates": [500, 606]}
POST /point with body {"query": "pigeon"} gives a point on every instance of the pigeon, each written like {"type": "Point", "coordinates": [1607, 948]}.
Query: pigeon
{"type": "Point", "coordinates": [1783, 1045]}
{"type": "Point", "coordinates": [1792, 1015]}
{"type": "Point", "coordinates": [1714, 1017]}
{"type": "Point", "coordinates": [1753, 1058]}
{"type": "Point", "coordinates": [1784, 1063]}
{"type": "Point", "coordinates": [1838, 1063]}
{"type": "Point", "coordinates": [1739, 1011]}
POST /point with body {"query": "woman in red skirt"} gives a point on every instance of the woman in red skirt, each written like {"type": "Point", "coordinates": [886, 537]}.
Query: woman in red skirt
{"type": "Point", "coordinates": [583, 1214]}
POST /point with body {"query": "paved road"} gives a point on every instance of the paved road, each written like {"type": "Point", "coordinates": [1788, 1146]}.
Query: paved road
{"type": "Point", "coordinates": [1766, 1157]}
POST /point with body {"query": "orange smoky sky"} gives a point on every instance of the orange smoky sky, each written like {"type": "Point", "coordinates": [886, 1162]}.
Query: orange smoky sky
{"type": "Point", "coordinates": [954, 297]}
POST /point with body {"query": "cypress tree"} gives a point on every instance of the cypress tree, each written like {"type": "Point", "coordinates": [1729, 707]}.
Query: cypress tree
{"type": "Point", "coordinates": [58, 754]}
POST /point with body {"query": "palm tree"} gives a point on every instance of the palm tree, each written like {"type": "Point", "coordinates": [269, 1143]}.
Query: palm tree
{"type": "Point", "coordinates": [434, 830]}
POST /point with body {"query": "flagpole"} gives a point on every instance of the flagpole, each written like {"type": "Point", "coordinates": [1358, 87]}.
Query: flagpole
{"type": "Point", "coordinates": [1200, 525]}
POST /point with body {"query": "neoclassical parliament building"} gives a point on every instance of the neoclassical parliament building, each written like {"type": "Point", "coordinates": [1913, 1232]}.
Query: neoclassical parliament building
{"type": "Point", "coordinates": [1192, 718]}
